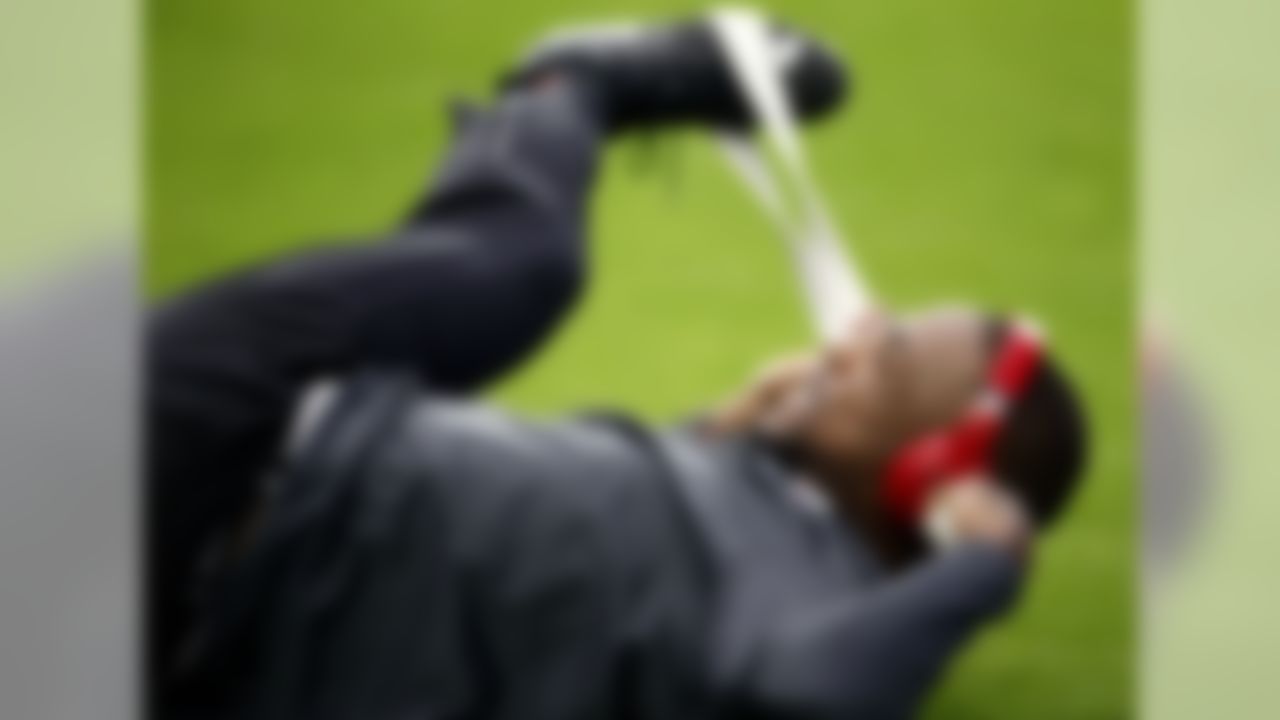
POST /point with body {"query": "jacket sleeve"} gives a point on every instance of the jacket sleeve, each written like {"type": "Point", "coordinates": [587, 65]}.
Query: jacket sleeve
{"type": "Point", "coordinates": [875, 654]}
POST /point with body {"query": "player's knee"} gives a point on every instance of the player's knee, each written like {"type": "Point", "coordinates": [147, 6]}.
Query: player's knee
{"type": "Point", "coordinates": [556, 272]}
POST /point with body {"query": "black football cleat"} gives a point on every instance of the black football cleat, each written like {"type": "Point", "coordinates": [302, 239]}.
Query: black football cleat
{"type": "Point", "coordinates": [672, 74]}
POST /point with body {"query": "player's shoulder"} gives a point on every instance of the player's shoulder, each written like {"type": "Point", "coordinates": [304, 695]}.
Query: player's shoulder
{"type": "Point", "coordinates": [470, 435]}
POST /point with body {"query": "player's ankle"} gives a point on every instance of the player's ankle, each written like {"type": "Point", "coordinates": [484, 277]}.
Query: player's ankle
{"type": "Point", "coordinates": [580, 87]}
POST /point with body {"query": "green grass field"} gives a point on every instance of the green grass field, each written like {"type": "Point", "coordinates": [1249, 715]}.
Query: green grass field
{"type": "Point", "coordinates": [987, 158]}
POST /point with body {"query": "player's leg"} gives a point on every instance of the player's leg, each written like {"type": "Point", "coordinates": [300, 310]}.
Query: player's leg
{"type": "Point", "coordinates": [479, 272]}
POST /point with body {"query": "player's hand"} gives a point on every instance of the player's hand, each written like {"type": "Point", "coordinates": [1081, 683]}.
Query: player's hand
{"type": "Point", "coordinates": [768, 403]}
{"type": "Point", "coordinates": [978, 511]}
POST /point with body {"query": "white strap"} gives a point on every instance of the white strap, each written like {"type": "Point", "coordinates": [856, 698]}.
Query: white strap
{"type": "Point", "coordinates": [835, 293]}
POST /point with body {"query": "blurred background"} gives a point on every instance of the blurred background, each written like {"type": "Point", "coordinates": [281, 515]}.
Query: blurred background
{"type": "Point", "coordinates": [987, 158]}
{"type": "Point", "coordinates": [68, 318]}
{"type": "Point", "coordinates": [1210, 222]}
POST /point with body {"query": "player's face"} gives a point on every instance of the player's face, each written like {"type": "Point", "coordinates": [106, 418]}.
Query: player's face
{"type": "Point", "coordinates": [891, 379]}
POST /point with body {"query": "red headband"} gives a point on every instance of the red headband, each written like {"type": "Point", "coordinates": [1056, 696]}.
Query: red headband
{"type": "Point", "coordinates": [963, 448]}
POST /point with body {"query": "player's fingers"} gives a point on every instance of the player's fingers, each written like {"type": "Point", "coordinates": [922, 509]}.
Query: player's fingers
{"type": "Point", "coordinates": [978, 509]}
{"type": "Point", "coordinates": [779, 376]}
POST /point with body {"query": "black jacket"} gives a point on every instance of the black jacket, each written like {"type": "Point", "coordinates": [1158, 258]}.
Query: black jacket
{"type": "Point", "coordinates": [441, 559]}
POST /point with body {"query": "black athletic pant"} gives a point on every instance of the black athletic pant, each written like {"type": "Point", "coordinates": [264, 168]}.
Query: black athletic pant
{"type": "Point", "coordinates": [485, 265]}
